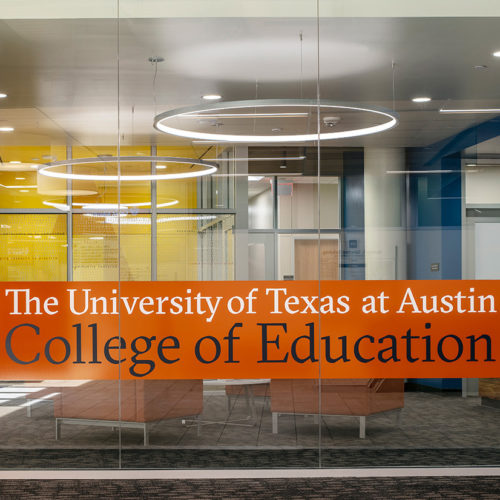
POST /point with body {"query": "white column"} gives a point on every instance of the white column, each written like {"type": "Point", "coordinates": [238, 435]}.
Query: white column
{"type": "Point", "coordinates": [385, 214]}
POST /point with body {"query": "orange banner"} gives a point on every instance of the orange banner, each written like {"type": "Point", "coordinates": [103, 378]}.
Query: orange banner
{"type": "Point", "coordinates": [249, 329]}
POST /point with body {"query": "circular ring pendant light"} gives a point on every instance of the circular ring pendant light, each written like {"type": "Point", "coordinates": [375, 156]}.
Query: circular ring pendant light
{"type": "Point", "coordinates": [207, 168]}
{"type": "Point", "coordinates": [167, 121]}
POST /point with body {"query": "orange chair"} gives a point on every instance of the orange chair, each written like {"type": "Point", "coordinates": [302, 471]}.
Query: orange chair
{"type": "Point", "coordinates": [357, 397]}
{"type": "Point", "coordinates": [141, 403]}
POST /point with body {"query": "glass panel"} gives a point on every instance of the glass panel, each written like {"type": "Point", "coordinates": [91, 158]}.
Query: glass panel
{"type": "Point", "coordinates": [222, 226]}
{"type": "Point", "coordinates": [416, 205]}
{"type": "Point", "coordinates": [56, 404]}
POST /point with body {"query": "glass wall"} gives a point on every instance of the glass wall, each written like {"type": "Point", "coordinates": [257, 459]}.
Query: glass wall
{"type": "Point", "coordinates": [248, 235]}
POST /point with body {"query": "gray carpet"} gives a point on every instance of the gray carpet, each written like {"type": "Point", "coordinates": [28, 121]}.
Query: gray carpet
{"type": "Point", "coordinates": [318, 488]}
{"type": "Point", "coordinates": [245, 459]}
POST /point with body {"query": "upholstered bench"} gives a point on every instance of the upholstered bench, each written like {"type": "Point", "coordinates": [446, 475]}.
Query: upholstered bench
{"type": "Point", "coordinates": [357, 397]}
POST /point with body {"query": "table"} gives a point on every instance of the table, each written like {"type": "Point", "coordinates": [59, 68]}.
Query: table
{"type": "Point", "coordinates": [247, 387]}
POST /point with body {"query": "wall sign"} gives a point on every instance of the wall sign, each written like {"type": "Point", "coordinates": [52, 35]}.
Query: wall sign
{"type": "Point", "coordinates": [249, 329]}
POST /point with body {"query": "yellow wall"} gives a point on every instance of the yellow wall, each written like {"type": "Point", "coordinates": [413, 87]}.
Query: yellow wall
{"type": "Point", "coordinates": [33, 247]}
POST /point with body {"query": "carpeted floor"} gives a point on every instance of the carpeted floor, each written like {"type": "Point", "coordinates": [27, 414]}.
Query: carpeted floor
{"type": "Point", "coordinates": [245, 459]}
{"type": "Point", "coordinates": [465, 488]}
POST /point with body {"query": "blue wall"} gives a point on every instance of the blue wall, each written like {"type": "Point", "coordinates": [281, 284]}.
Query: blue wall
{"type": "Point", "coordinates": [353, 216]}
{"type": "Point", "coordinates": [435, 212]}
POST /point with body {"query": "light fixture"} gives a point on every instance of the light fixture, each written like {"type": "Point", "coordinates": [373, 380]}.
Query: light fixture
{"type": "Point", "coordinates": [421, 99]}
{"type": "Point", "coordinates": [211, 97]}
{"type": "Point", "coordinates": [255, 178]}
{"type": "Point", "coordinates": [6, 129]}
{"type": "Point", "coordinates": [471, 110]}
{"type": "Point", "coordinates": [496, 53]}
{"type": "Point", "coordinates": [495, 165]}
{"type": "Point", "coordinates": [108, 206]}
{"type": "Point", "coordinates": [18, 187]}
{"type": "Point", "coordinates": [168, 121]}
{"type": "Point", "coordinates": [207, 168]}
{"type": "Point", "coordinates": [138, 220]}
{"type": "Point", "coordinates": [3, 95]}
{"type": "Point", "coordinates": [270, 158]}
{"type": "Point", "coordinates": [17, 166]}
{"type": "Point", "coordinates": [96, 238]}
{"type": "Point", "coordinates": [24, 190]}
{"type": "Point", "coordinates": [20, 178]}
{"type": "Point", "coordinates": [416, 172]}
{"type": "Point", "coordinates": [248, 115]}
{"type": "Point", "coordinates": [60, 206]}
{"type": "Point", "coordinates": [161, 167]}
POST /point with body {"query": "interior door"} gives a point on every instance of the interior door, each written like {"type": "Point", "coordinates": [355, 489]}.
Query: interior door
{"type": "Point", "coordinates": [306, 259]}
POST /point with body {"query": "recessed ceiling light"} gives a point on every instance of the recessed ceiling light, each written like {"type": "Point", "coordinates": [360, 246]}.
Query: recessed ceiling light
{"type": "Point", "coordinates": [255, 178]}
{"type": "Point", "coordinates": [96, 238]}
{"type": "Point", "coordinates": [282, 166]}
{"type": "Point", "coordinates": [211, 97]}
{"type": "Point", "coordinates": [421, 99]}
{"type": "Point", "coordinates": [471, 110]}
{"type": "Point", "coordinates": [14, 162]}
{"type": "Point", "coordinates": [2, 95]}
{"type": "Point", "coordinates": [497, 53]}
{"type": "Point", "coordinates": [161, 167]}
{"type": "Point", "coordinates": [20, 178]}
{"type": "Point", "coordinates": [6, 129]}
{"type": "Point", "coordinates": [24, 191]}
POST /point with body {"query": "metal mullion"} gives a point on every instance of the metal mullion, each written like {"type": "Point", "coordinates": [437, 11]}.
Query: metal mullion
{"type": "Point", "coordinates": [153, 225]}
{"type": "Point", "coordinates": [69, 220]}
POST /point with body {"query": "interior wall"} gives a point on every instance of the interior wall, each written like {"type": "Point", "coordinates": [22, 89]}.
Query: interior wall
{"type": "Point", "coordinates": [298, 206]}
{"type": "Point", "coordinates": [385, 233]}
{"type": "Point", "coordinates": [482, 186]}
{"type": "Point", "coordinates": [260, 210]}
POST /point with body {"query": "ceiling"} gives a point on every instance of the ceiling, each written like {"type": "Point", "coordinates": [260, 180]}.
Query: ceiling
{"type": "Point", "coordinates": [65, 85]}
